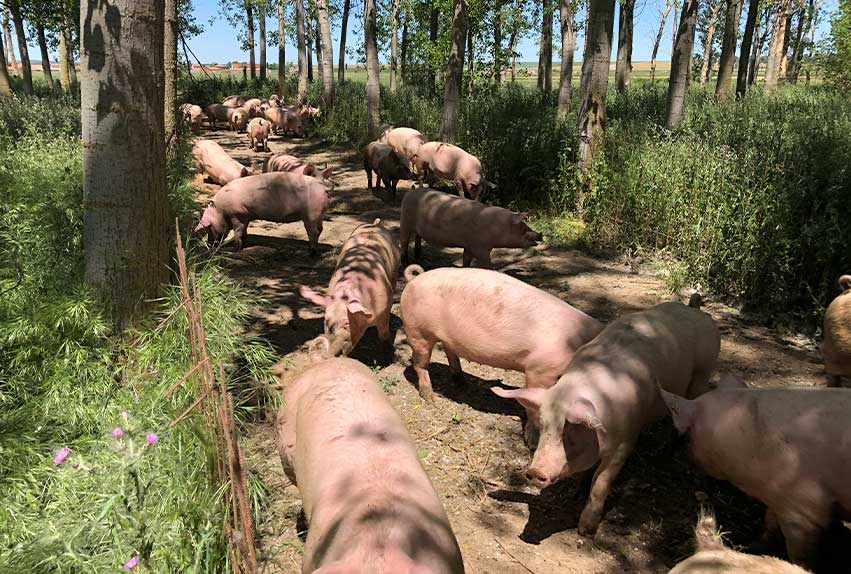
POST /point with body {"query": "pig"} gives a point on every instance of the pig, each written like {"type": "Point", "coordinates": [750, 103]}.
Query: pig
{"type": "Point", "coordinates": [788, 447]}
{"type": "Point", "coordinates": [284, 162]}
{"type": "Point", "coordinates": [448, 221]}
{"type": "Point", "coordinates": [713, 557]}
{"type": "Point", "coordinates": [494, 319]}
{"type": "Point", "coordinates": [389, 167]}
{"type": "Point", "coordinates": [404, 141]}
{"type": "Point", "coordinates": [212, 160]}
{"type": "Point", "coordinates": [283, 120]}
{"type": "Point", "coordinates": [193, 115]}
{"type": "Point", "coordinates": [238, 119]}
{"type": "Point", "coordinates": [218, 113]}
{"type": "Point", "coordinates": [361, 290]}
{"type": "Point", "coordinates": [305, 111]}
{"type": "Point", "coordinates": [448, 161]}
{"type": "Point", "coordinates": [370, 506]}
{"type": "Point", "coordinates": [278, 197]}
{"type": "Point", "coordinates": [258, 133]}
{"type": "Point", "coordinates": [836, 346]}
{"type": "Point", "coordinates": [236, 101]}
{"type": "Point", "coordinates": [609, 393]}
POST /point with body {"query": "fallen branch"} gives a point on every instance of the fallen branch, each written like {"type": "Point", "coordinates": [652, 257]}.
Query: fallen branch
{"type": "Point", "coordinates": [515, 558]}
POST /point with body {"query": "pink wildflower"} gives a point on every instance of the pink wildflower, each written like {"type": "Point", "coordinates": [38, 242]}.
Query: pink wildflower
{"type": "Point", "coordinates": [117, 432]}
{"type": "Point", "coordinates": [130, 564]}
{"type": "Point", "coordinates": [61, 455]}
{"type": "Point", "coordinates": [152, 438]}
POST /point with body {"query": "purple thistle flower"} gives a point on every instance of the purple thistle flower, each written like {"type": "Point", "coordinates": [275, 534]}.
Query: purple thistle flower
{"type": "Point", "coordinates": [152, 438]}
{"type": "Point", "coordinates": [61, 455]}
{"type": "Point", "coordinates": [117, 432]}
{"type": "Point", "coordinates": [130, 564]}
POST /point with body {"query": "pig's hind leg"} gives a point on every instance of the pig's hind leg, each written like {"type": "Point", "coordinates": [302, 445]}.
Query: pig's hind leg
{"type": "Point", "coordinates": [804, 528]}
{"type": "Point", "coordinates": [421, 356]}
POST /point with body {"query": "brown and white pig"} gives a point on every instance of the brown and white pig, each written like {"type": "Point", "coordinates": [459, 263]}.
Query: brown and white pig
{"type": "Point", "coordinates": [236, 101]}
{"type": "Point", "coordinates": [448, 221]}
{"type": "Point", "coordinates": [216, 163]}
{"type": "Point", "coordinates": [238, 119]}
{"type": "Point", "coordinates": [609, 393]}
{"type": "Point", "coordinates": [388, 165]}
{"type": "Point", "coordinates": [405, 141]}
{"type": "Point", "coordinates": [370, 507]}
{"type": "Point", "coordinates": [279, 197]}
{"type": "Point", "coordinates": [836, 346]}
{"type": "Point", "coordinates": [290, 163]}
{"type": "Point", "coordinates": [218, 113]}
{"type": "Point", "coordinates": [284, 120]}
{"type": "Point", "coordinates": [258, 133]}
{"type": "Point", "coordinates": [448, 161]}
{"type": "Point", "coordinates": [493, 319]}
{"type": "Point", "coordinates": [252, 106]}
{"type": "Point", "coordinates": [361, 290]}
{"type": "Point", "coordinates": [788, 447]}
{"type": "Point", "coordinates": [712, 556]}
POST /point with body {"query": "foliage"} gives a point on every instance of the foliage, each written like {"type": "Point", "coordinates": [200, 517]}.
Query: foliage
{"type": "Point", "coordinates": [835, 53]}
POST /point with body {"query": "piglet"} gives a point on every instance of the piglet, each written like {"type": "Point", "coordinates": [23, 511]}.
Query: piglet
{"type": "Point", "coordinates": [258, 133]}
{"type": "Point", "coordinates": [278, 197]}
{"type": "Point", "coordinates": [212, 160]}
{"type": "Point", "coordinates": [388, 165]}
{"type": "Point", "coordinates": [609, 394]}
{"type": "Point", "coordinates": [836, 346]}
{"type": "Point", "coordinates": [448, 221]}
{"type": "Point", "coordinates": [448, 161]}
{"type": "Point", "coordinates": [370, 507]}
{"type": "Point", "coordinates": [788, 447]}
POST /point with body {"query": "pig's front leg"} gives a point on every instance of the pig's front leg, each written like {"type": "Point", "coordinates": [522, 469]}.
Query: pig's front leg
{"type": "Point", "coordinates": [385, 335]}
{"type": "Point", "coordinates": [240, 233]}
{"type": "Point", "coordinates": [314, 230]}
{"type": "Point", "coordinates": [454, 365]}
{"type": "Point", "coordinates": [604, 477]}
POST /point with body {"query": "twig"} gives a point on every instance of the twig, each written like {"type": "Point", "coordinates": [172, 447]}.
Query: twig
{"type": "Point", "coordinates": [515, 558]}
{"type": "Point", "coordinates": [170, 315]}
{"type": "Point", "coordinates": [197, 402]}
{"type": "Point", "coordinates": [186, 47]}
{"type": "Point", "coordinates": [183, 378]}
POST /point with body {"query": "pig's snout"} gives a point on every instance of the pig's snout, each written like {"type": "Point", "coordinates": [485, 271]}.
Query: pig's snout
{"type": "Point", "coordinates": [537, 477]}
{"type": "Point", "coordinates": [534, 237]}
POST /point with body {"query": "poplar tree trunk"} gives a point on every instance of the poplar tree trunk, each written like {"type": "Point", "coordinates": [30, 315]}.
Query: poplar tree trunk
{"type": "Point", "coordinates": [126, 224]}
{"type": "Point", "coordinates": [545, 58]}
{"type": "Point", "coordinates": [309, 46]}
{"type": "Point", "coordinates": [728, 50]}
{"type": "Point", "coordinates": [595, 81]}
{"type": "Point", "coordinates": [249, 20]}
{"type": "Point", "coordinates": [797, 48]}
{"type": "Point", "coordinates": [706, 67]}
{"type": "Point", "coordinates": [64, 73]}
{"type": "Point", "coordinates": [7, 35]}
{"type": "Point", "coordinates": [454, 72]}
{"type": "Point", "coordinates": [678, 82]}
{"type": "Point", "coordinates": [5, 82]}
{"type": "Point", "coordinates": [623, 68]}
{"type": "Point", "coordinates": [403, 62]}
{"type": "Point", "coordinates": [568, 47]}
{"type": "Point", "coordinates": [23, 50]}
{"type": "Point", "coordinates": [497, 41]}
{"type": "Point", "coordinates": [744, 52]}
{"type": "Point", "coordinates": [512, 48]}
{"type": "Point", "coordinates": [320, 62]}
{"type": "Point", "coordinates": [302, 50]}
{"type": "Point", "coordinates": [261, 28]}
{"type": "Point", "coordinates": [394, 26]}
{"type": "Point", "coordinates": [344, 26]}
{"type": "Point", "coordinates": [774, 73]}
{"type": "Point", "coordinates": [282, 49]}
{"type": "Point", "coordinates": [170, 70]}
{"type": "Point", "coordinates": [72, 65]}
{"type": "Point", "coordinates": [432, 37]}
{"type": "Point", "coordinates": [45, 57]}
{"type": "Point", "coordinates": [675, 27]}
{"type": "Point", "coordinates": [373, 94]}
{"type": "Point", "coordinates": [471, 59]}
{"type": "Point", "coordinates": [668, 5]}
{"type": "Point", "coordinates": [327, 68]}
{"type": "Point", "coordinates": [756, 53]}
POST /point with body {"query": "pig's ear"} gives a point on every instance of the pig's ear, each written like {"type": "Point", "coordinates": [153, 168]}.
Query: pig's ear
{"type": "Point", "coordinates": [730, 381]}
{"type": "Point", "coordinates": [377, 221]}
{"type": "Point", "coordinates": [682, 409]}
{"type": "Point", "coordinates": [244, 172]}
{"type": "Point", "coordinates": [319, 349]}
{"type": "Point", "coordinates": [354, 307]}
{"type": "Point", "coordinates": [201, 225]}
{"type": "Point", "coordinates": [528, 397]}
{"type": "Point", "coordinates": [519, 218]}
{"type": "Point", "coordinates": [328, 172]}
{"type": "Point", "coordinates": [582, 412]}
{"type": "Point", "coordinates": [313, 296]}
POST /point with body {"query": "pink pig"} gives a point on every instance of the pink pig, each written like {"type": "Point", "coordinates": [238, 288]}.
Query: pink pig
{"type": "Point", "coordinates": [215, 162]}
{"type": "Point", "coordinates": [258, 133]}
{"type": "Point", "coordinates": [448, 161]}
{"type": "Point", "coordinates": [361, 290]}
{"type": "Point", "coordinates": [290, 163]}
{"type": "Point", "coordinates": [370, 507]}
{"type": "Point", "coordinates": [404, 141]}
{"type": "Point", "coordinates": [836, 346]}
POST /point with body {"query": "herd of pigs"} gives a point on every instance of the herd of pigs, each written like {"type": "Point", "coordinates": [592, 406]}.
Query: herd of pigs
{"type": "Point", "coordinates": [590, 388]}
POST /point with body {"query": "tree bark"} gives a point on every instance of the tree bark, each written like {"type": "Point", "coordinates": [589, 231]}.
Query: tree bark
{"type": "Point", "coordinates": [545, 57]}
{"type": "Point", "coordinates": [309, 46]}
{"type": "Point", "coordinates": [23, 50]}
{"type": "Point", "coordinates": [623, 68]}
{"type": "Point", "coordinates": [678, 82]}
{"type": "Point", "coordinates": [595, 81]}
{"type": "Point", "coordinates": [471, 58]}
{"type": "Point", "coordinates": [261, 28]}
{"type": "Point", "coordinates": [5, 83]}
{"type": "Point", "coordinates": [7, 35]}
{"type": "Point", "coordinates": [706, 66]}
{"type": "Point", "coordinates": [433, 22]}
{"type": "Point", "coordinates": [45, 57]}
{"type": "Point", "coordinates": [320, 62]}
{"type": "Point", "coordinates": [454, 72]}
{"type": "Point", "coordinates": [745, 50]}
{"type": "Point", "coordinates": [728, 49]}
{"type": "Point", "coordinates": [249, 21]}
{"type": "Point", "coordinates": [282, 49]}
{"type": "Point", "coordinates": [394, 26]}
{"type": "Point", "coordinates": [668, 5]}
{"type": "Point", "coordinates": [170, 70]}
{"type": "Point", "coordinates": [373, 94]}
{"type": "Point", "coordinates": [72, 65]}
{"type": "Point", "coordinates": [798, 47]}
{"type": "Point", "coordinates": [756, 54]}
{"type": "Point", "coordinates": [324, 21]}
{"type": "Point", "coordinates": [497, 41]}
{"type": "Point", "coordinates": [64, 74]}
{"type": "Point", "coordinates": [125, 205]}
{"type": "Point", "coordinates": [568, 47]}
{"type": "Point", "coordinates": [675, 27]}
{"type": "Point", "coordinates": [774, 65]}
{"type": "Point", "coordinates": [403, 62]}
{"type": "Point", "coordinates": [344, 26]}
{"type": "Point", "coordinates": [302, 51]}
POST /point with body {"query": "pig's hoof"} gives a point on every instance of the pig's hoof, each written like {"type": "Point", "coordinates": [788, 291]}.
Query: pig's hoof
{"type": "Point", "coordinates": [588, 526]}
{"type": "Point", "coordinates": [427, 395]}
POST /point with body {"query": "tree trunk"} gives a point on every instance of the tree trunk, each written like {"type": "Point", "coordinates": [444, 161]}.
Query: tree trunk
{"type": "Point", "coordinates": [454, 72]}
{"type": "Point", "coordinates": [403, 62]}
{"type": "Point", "coordinates": [320, 62]}
{"type": "Point", "coordinates": [170, 69]}
{"type": "Point", "coordinates": [373, 94]}
{"type": "Point", "coordinates": [394, 26]}
{"type": "Point", "coordinates": [744, 52]}
{"type": "Point", "coordinates": [675, 27]}
{"type": "Point", "coordinates": [7, 34]}
{"type": "Point", "coordinates": [282, 49]}
{"type": "Point", "coordinates": [309, 46]}
{"type": "Point", "coordinates": [798, 47]}
{"type": "Point", "coordinates": [45, 57]}
{"type": "Point", "coordinates": [5, 83]}
{"type": "Point", "coordinates": [23, 50]}
{"type": "Point", "coordinates": [668, 5]}
{"type": "Point", "coordinates": [568, 47]}
{"type": "Point", "coordinates": [433, 22]}
{"type": "Point", "coordinates": [72, 65]}
{"type": "Point", "coordinates": [344, 26]}
{"type": "Point", "coordinates": [261, 28]}
{"type": "Point", "coordinates": [126, 224]}
{"type": "Point", "coordinates": [497, 41]}
{"type": "Point", "coordinates": [756, 54]}
{"type": "Point", "coordinates": [774, 65]}
{"type": "Point", "coordinates": [595, 81]}
{"type": "Point", "coordinates": [813, 23]}
{"type": "Point", "coordinates": [471, 59]}
{"type": "Point", "coordinates": [249, 20]}
{"type": "Point", "coordinates": [728, 49]}
{"type": "Point", "coordinates": [706, 66]}
{"type": "Point", "coordinates": [302, 51]}
{"type": "Point", "coordinates": [324, 22]}
{"type": "Point", "coordinates": [64, 74]}
{"type": "Point", "coordinates": [545, 58]}
{"type": "Point", "coordinates": [680, 59]}
{"type": "Point", "coordinates": [623, 68]}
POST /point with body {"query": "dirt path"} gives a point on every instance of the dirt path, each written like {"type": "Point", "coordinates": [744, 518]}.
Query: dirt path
{"type": "Point", "coordinates": [469, 440]}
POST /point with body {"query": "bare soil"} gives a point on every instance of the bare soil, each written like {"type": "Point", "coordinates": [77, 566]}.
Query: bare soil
{"type": "Point", "coordinates": [469, 440]}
